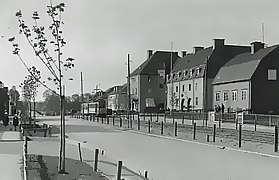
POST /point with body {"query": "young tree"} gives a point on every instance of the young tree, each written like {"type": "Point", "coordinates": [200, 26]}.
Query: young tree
{"type": "Point", "coordinates": [30, 88]}
{"type": "Point", "coordinates": [49, 52]}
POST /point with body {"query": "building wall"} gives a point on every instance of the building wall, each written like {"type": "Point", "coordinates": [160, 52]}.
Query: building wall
{"type": "Point", "coordinates": [135, 91]}
{"type": "Point", "coordinates": [112, 102]}
{"type": "Point", "coordinates": [265, 92]}
{"type": "Point", "coordinates": [150, 88]}
{"type": "Point", "coordinates": [230, 103]}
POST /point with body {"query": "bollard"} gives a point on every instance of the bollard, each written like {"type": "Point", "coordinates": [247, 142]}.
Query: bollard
{"type": "Point", "coordinates": [194, 134]}
{"type": "Point", "coordinates": [214, 133]}
{"type": "Point", "coordinates": [145, 174]}
{"type": "Point", "coordinates": [149, 128]}
{"type": "Point", "coordinates": [182, 119]}
{"type": "Point", "coordinates": [162, 127]}
{"type": "Point", "coordinates": [79, 150]}
{"type": "Point", "coordinates": [255, 123]}
{"type": "Point", "coordinates": [120, 123]}
{"type": "Point", "coordinates": [207, 138]}
{"type": "Point", "coordinates": [113, 120]}
{"type": "Point", "coordinates": [119, 168]}
{"type": "Point", "coordinates": [175, 129]}
{"type": "Point", "coordinates": [138, 124]}
{"type": "Point", "coordinates": [275, 138]}
{"type": "Point", "coordinates": [96, 160]}
{"type": "Point", "coordinates": [239, 136]}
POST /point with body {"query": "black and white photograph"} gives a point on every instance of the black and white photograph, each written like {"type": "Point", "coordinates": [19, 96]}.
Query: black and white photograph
{"type": "Point", "coordinates": [139, 90]}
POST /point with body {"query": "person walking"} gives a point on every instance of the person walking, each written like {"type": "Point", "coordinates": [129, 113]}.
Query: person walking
{"type": "Point", "coordinates": [15, 121]}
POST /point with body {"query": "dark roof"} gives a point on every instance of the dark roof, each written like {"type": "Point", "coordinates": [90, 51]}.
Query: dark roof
{"type": "Point", "coordinates": [241, 67]}
{"type": "Point", "coordinates": [157, 61]}
{"type": "Point", "coordinates": [192, 60]}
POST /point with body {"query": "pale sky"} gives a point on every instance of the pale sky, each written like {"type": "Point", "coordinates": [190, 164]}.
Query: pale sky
{"type": "Point", "coordinates": [100, 34]}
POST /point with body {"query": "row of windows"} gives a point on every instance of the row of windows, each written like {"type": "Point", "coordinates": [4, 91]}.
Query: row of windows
{"type": "Point", "coordinates": [189, 72]}
{"type": "Point", "coordinates": [189, 87]}
{"type": "Point", "coordinates": [234, 95]}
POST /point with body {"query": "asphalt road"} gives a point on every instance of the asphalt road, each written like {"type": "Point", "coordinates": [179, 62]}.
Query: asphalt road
{"type": "Point", "coordinates": [171, 159]}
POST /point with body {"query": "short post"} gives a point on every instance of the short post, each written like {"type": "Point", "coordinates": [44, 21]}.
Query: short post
{"type": "Point", "coordinates": [96, 160]}
{"type": "Point", "coordinates": [145, 174]}
{"type": "Point", "coordinates": [79, 150]}
{"type": "Point", "coordinates": [220, 120]}
{"type": "Point", "coordinates": [255, 122]}
{"type": "Point", "coordinates": [157, 117]}
{"type": "Point", "coordinates": [102, 120]}
{"type": "Point", "coordinates": [119, 168]}
{"type": "Point", "coordinates": [239, 136]}
{"type": "Point", "coordinates": [194, 133]}
{"type": "Point", "coordinates": [138, 124]}
{"type": "Point", "coordinates": [120, 122]}
{"type": "Point", "coordinates": [162, 127]}
{"type": "Point", "coordinates": [113, 120]}
{"type": "Point", "coordinates": [214, 133]}
{"type": "Point", "coordinates": [207, 138]}
{"type": "Point", "coordinates": [182, 119]}
{"type": "Point", "coordinates": [149, 128]}
{"type": "Point", "coordinates": [275, 138]}
{"type": "Point", "coordinates": [175, 129]}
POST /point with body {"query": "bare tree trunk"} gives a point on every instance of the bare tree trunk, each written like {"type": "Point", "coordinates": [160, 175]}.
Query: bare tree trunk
{"type": "Point", "coordinates": [30, 112]}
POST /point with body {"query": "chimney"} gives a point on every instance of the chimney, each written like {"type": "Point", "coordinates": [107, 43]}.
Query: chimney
{"type": "Point", "coordinates": [149, 53]}
{"type": "Point", "coordinates": [183, 53]}
{"type": "Point", "coordinates": [197, 48]}
{"type": "Point", "coordinates": [218, 43]}
{"type": "Point", "coordinates": [255, 46]}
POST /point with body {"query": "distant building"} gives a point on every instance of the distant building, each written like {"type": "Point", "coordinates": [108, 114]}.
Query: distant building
{"type": "Point", "coordinates": [249, 81]}
{"type": "Point", "coordinates": [117, 99]}
{"type": "Point", "coordinates": [148, 90]}
{"type": "Point", "coordinates": [189, 86]}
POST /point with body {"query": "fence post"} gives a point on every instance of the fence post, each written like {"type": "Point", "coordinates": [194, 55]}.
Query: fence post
{"type": "Point", "coordinates": [239, 136]}
{"type": "Point", "coordinates": [131, 125]}
{"type": "Point", "coordinates": [119, 168]}
{"type": "Point", "coordinates": [175, 129]}
{"type": "Point", "coordinates": [207, 138]}
{"type": "Point", "coordinates": [255, 122]}
{"type": "Point", "coordinates": [182, 119]}
{"type": "Point", "coordinates": [96, 160]}
{"type": "Point", "coordinates": [79, 150]}
{"type": "Point", "coordinates": [214, 132]}
{"type": "Point", "coordinates": [120, 123]}
{"type": "Point", "coordinates": [144, 116]}
{"type": "Point", "coordinates": [220, 120]}
{"type": "Point", "coordinates": [157, 117]}
{"type": "Point", "coordinates": [145, 174]}
{"type": "Point", "coordinates": [138, 124]}
{"type": "Point", "coordinates": [165, 118]}
{"type": "Point", "coordinates": [162, 127]}
{"type": "Point", "coordinates": [107, 119]}
{"type": "Point", "coordinates": [113, 120]}
{"type": "Point", "coordinates": [194, 133]}
{"type": "Point", "coordinates": [149, 128]}
{"type": "Point", "coordinates": [275, 138]}
{"type": "Point", "coordinates": [102, 120]}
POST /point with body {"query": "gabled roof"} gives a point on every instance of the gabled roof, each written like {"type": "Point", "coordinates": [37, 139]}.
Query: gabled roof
{"type": "Point", "coordinates": [241, 67]}
{"type": "Point", "coordinates": [155, 63]}
{"type": "Point", "coordinates": [193, 60]}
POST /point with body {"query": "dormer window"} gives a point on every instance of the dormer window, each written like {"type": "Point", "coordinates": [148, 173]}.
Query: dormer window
{"type": "Point", "coordinates": [185, 73]}
{"type": "Point", "coordinates": [179, 74]}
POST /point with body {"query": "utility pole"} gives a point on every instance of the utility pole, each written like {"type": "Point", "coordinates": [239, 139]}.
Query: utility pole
{"type": "Point", "coordinates": [172, 101]}
{"type": "Point", "coordinates": [81, 89]}
{"type": "Point", "coordinates": [129, 89]}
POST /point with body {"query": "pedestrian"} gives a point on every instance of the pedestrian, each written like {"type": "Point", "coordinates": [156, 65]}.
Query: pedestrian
{"type": "Point", "coordinates": [223, 108]}
{"type": "Point", "coordinates": [15, 121]}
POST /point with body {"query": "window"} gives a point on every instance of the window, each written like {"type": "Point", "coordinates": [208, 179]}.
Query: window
{"type": "Point", "coordinates": [136, 91]}
{"type": "Point", "coordinates": [161, 85]}
{"type": "Point", "coordinates": [197, 101]}
{"type": "Point", "coordinates": [189, 87]}
{"type": "Point", "coordinates": [179, 74]}
{"type": "Point", "coordinates": [244, 94]}
{"type": "Point", "coordinates": [217, 96]}
{"type": "Point", "coordinates": [149, 91]}
{"type": "Point", "coordinates": [176, 88]}
{"type": "Point", "coordinates": [226, 95]}
{"type": "Point", "coordinates": [148, 78]}
{"type": "Point", "coordinates": [183, 88]}
{"type": "Point", "coordinates": [234, 95]}
{"type": "Point", "coordinates": [196, 86]}
{"type": "Point", "coordinates": [272, 76]}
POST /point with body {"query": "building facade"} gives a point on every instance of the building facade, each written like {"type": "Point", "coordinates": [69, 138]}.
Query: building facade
{"type": "Point", "coordinates": [190, 83]}
{"type": "Point", "coordinates": [148, 88]}
{"type": "Point", "coordinates": [249, 81]}
{"type": "Point", "coordinates": [118, 100]}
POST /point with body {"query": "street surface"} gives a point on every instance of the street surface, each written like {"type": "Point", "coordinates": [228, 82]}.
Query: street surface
{"type": "Point", "coordinates": [166, 158]}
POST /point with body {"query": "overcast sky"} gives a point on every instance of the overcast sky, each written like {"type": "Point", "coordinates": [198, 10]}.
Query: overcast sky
{"type": "Point", "coordinates": [100, 34]}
